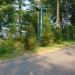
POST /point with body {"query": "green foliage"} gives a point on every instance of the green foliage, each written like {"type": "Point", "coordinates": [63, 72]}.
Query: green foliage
{"type": "Point", "coordinates": [69, 32]}
{"type": "Point", "coordinates": [72, 31]}
{"type": "Point", "coordinates": [47, 33]}
{"type": "Point", "coordinates": [30, 39]}
{"type": "Point", "coordinates": [35, 22]}
{"type": "Point", "coordinates": [7, 47]}
{"type": "Point", "coordinates": [73, 12]}
{"type": "Point", "coordinates": [28, 21]}
{"type": "Point", "coordinates": [57, 35]}
{"type": "Point", "coordinates": [7, 1]}
{"type": "Point", "coordinates": [6, 14]}
{"type": "Point", "coordinates": [12, 27]}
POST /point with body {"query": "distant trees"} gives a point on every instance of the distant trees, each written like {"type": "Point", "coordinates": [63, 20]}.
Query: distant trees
{"type": "Point", "coordinates": [6, 13]}
{"type": "Point", "coordinates": [73, 12]}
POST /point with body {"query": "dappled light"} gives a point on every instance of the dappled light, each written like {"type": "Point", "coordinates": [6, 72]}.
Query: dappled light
{"type": "Point", "coordinates": [37, 37]}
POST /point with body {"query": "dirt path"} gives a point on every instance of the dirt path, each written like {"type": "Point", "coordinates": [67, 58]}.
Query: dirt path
{"type": "Point", "coordinates": [61, 62]}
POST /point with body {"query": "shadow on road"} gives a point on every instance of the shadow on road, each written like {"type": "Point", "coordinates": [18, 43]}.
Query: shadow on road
{"type": "Point", "coordinates": [40, 65]}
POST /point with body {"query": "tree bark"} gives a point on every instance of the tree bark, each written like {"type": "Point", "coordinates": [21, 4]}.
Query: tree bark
{"type": "Point", "coordinates": [20, 16]}
{"type": "Point", "coordinates": [58, 23]}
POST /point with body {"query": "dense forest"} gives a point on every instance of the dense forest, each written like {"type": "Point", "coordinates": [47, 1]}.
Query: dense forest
{"type": "Point", "coordinates": [35, 23]}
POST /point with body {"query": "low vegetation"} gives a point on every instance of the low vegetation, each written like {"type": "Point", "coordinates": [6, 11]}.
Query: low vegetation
{"type": "Point", "coordinates": [41, 26]}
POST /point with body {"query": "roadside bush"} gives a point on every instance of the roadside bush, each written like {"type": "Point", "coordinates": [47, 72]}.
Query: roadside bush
{"type": "Point", "coordinates": [57, 35]}
{"type": "Point", "coordinates": [30, 39]}
{"type": "Point", "coordinates": [6, 47]}
{"type": "Point", "coordinates": [47, 36]}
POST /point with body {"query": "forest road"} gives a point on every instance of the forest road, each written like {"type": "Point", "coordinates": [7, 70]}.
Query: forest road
{"type": "Point", "coordinates": [61, 62]}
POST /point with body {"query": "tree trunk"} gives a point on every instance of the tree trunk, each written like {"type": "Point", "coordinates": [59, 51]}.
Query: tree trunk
{"type": "Point", "coordinates": [58, 23]}
{"type": "Point", "coordinates": [20, 16]}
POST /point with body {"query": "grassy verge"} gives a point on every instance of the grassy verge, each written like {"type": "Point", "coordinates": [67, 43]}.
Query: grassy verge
{"type": "Point", "coordinates": [55, 47]}
{"type": "Point", "coordinates": [39, 50]}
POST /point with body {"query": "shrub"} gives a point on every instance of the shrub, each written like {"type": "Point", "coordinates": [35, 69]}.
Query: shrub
{"type": "Point", "coordinates": [47, 36]}
{"type": "Point", "coordinates": [30, 39]}
{"type": "Point", "coordinates": [6, 47]}
{"type": "Point", "coordinates": [57, 35]}
{"type": "Point", "coordinates": [47, 39]}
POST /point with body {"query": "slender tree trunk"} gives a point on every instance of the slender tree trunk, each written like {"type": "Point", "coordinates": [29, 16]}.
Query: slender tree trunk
{"type": "Point", "coordinates": [20, 16]}
{"type": "Point", "coordinates": [59, 20]}
{"type": "Point", "coordinates": [58, 23]}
